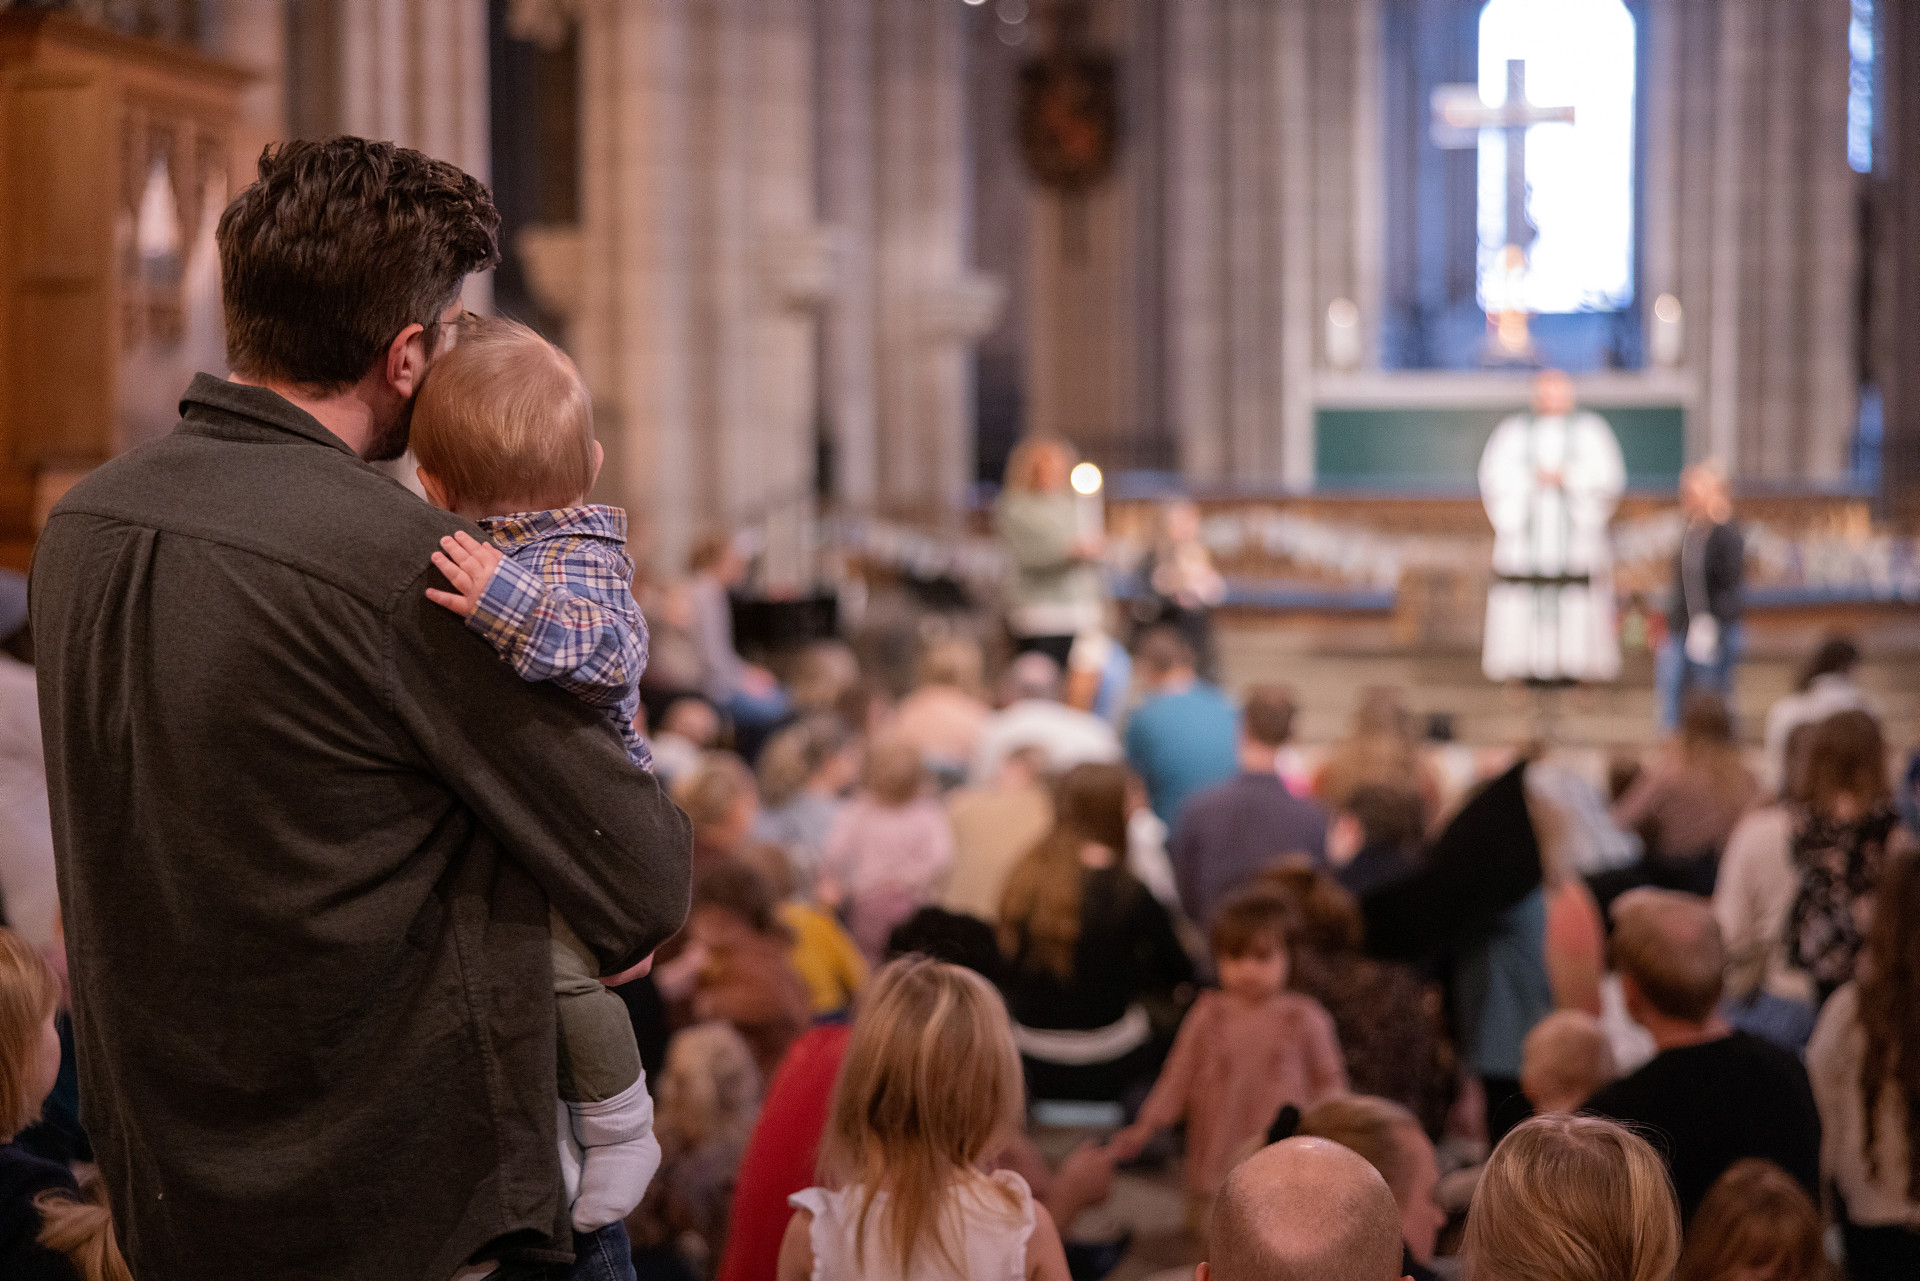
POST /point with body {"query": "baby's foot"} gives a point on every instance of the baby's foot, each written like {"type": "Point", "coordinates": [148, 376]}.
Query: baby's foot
{"type": "Point", "coordinates": [620, 1155]}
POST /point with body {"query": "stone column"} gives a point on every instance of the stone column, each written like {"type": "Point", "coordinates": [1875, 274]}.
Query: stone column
{"type": "Point", "coordinates": [931, 305]}
{"type": "Point", "coordinates": [1275, 211]}
{"type": "Point", "coordinates": [1897, 277]}
{"type": "Point", "coordinates": [691, 282]}
{"type": "Point", "coordinates": [407, 71]}
{"type": "Point", "coordinates": [1752, 222]}
{"type": "Point", "coordinates": [848, 195]}
{"type": "Point", "coordinates": [1196, 264]}
{"type": "Point", "coordinates": [631, 334]}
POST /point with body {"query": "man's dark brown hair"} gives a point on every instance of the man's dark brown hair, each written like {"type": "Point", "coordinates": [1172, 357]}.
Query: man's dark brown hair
{"type": "Point", "coordinates": [1162, 649]}
{"type": "Point", "coordinates": [1268, 715]}
{"type": "Point", "coordinates": [1394, 817]}
{"type": "Point", "coordinates": [339, 246]}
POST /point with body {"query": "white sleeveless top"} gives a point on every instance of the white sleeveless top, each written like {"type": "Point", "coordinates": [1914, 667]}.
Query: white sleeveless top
{"type": "Point", "coordinates": [990, 1235]}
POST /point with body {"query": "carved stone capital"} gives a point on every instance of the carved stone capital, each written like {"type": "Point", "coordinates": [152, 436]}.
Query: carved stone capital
{"type": "Point", "coordinates": [959, 309]}
{"type": "Point", "coordinates": [801, 267]}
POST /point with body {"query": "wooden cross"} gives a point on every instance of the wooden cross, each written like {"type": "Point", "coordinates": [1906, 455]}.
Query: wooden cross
{"type": "Point", "coordinates": [1459, 116]}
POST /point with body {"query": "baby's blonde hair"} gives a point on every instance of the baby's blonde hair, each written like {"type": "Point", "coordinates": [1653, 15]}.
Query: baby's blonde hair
{"type": "Point", "coordinates": [505, 417]}
{"type": "Point", "coordinates": [930, 1079]}
{"type": "Point", "coordinates": [1572, 1198]}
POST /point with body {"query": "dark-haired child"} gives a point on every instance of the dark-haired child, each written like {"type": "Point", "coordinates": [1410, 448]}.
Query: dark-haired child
{"type": "Point", "coordinates": [1243, 1052]}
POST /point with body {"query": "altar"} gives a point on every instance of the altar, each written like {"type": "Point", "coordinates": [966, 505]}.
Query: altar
{"type": "Point", "coordinates": [1421, 432]}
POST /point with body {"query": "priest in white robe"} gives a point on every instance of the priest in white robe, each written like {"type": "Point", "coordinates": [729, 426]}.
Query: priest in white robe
{"type": "Point", "coordinates": [1550, 480]}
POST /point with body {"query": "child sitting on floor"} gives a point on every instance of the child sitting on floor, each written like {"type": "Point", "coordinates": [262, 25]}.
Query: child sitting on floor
{"type": "Point", "coordinates": [503, 430]}
{"type": "Point", "coordinates": [928, 1092]}
{"type": "Point", "coordinates": [824, 955]}
{"type": "Point", "coordinates": [747, 977]}
{"type": "Point", "coordinates": [887, 848]}
{"type": "Point", "coordinates": [1242, 1052]}
{"type": "Point", "coordinates": [1565, 1061]}
{"type": "Point", "coordinates": [709, 1099]}
{"type": "Point", "coordinates": [46, 1229]}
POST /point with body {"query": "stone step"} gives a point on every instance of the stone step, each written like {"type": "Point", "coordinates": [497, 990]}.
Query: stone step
{"type": "Point", "coordinates": [1328, 673]}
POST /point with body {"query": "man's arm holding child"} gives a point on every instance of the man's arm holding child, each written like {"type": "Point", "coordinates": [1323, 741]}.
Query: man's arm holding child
{"type": "Point", "coordinates": [609, 847]}
{"type": "Point", "coordinates": [591, 648]}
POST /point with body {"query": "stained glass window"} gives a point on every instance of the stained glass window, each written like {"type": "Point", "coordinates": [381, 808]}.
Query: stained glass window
{"type": "Point", "coordinates": [1579, 176]}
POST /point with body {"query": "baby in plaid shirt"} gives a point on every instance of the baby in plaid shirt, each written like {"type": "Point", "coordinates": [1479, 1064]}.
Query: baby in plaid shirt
{"type": "Point", "coordinates": [503, 431]}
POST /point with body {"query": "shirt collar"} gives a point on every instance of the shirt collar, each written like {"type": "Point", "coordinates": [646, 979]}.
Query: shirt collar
{"type": "Point", "coordinates": [582, 520]}
{"type": "Point", "coordinates": [256, 404]}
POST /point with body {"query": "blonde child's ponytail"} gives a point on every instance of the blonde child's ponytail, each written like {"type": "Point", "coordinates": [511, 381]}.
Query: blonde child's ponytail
{"type": "Point", "coordinates": [83, 1231]}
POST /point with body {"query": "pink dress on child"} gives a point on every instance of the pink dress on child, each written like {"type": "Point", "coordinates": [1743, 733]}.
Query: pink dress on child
{"type": "Point", "coordinates": [887, 859]}
{"type": "Point", "coordinates": [1234, 1066]}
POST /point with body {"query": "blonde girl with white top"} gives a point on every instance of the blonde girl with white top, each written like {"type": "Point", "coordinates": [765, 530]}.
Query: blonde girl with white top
{"type": "Point", "coordinates": [929, 1091]}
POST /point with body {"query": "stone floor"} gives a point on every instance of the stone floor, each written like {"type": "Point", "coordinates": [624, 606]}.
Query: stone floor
{"type": "Point", "coordinates": [1150, 1203]}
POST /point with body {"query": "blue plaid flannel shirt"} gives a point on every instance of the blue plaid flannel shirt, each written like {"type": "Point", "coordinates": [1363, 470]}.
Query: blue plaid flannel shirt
{"type": "Point", "coordinates": [560, 608]}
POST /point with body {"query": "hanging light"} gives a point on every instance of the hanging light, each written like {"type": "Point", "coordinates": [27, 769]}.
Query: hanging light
{"type": "Point", "coordinates": [1085, 479]}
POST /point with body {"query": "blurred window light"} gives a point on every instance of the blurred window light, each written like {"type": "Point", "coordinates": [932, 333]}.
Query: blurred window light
{"type": "Point", "coordinates": [1860, 87]}
{"type": "Point", "coordinates": [1579, 176]}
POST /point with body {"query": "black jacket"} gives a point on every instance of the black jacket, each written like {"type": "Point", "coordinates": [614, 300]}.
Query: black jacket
{"type": "Point", "coordinates": [307, 827]}
{"type": "Point", "coordinates": [1723, 569]}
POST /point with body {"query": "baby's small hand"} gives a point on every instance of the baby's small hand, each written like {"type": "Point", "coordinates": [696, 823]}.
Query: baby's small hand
{"type": "Point", "coordinates": [468, 565]}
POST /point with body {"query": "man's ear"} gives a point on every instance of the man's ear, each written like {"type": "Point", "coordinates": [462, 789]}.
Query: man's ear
{"type": "Point", "coordinates": [599, 457]}
{"type": "Point", "coordinates": [406, 362]}
{"type": "Point", "coordinates": [436, 492]}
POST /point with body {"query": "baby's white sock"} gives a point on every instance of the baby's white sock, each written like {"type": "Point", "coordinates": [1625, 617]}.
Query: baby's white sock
{"type": "Point", "coordinates": [620, 1155]}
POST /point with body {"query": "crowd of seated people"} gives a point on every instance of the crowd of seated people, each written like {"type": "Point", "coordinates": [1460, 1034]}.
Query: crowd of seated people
{"type": "Point", "coordinates": [1362, 1027]}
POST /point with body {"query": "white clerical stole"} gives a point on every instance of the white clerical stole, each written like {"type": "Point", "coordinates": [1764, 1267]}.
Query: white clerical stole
{"type": "Point", "coordinates": [1550, 485]}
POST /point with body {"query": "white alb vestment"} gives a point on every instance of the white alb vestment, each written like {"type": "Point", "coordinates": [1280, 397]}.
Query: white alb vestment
{"type": "Point", "coordinates": [1550, 485]}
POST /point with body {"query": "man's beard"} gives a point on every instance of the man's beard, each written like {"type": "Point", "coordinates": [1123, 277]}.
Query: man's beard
{"type": "Point", "coordinates": [392, 442]}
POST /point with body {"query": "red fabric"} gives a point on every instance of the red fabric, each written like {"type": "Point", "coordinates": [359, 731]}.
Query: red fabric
{"type": "Point", "coordinates": [781, 1154]}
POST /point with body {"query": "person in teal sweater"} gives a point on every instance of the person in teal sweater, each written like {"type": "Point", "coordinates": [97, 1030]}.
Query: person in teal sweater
{"type": "Point", "coordinates": [1185, 736]}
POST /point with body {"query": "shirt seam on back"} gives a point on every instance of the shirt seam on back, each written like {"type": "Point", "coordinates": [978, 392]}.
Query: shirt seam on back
{"type": "Point", "coordinates": [361, 595]}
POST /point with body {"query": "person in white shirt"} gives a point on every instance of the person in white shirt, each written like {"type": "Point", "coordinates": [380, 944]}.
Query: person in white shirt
{"type": "Point", "coordinates": [1825, 686]}
{"type": "Point", "coordinates": [1034, 716]}
{"type": "Point", "coordinates": [29, 900]}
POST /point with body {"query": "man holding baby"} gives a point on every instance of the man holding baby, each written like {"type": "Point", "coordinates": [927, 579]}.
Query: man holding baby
{"type": "Point", "coordinates": [310, 827]}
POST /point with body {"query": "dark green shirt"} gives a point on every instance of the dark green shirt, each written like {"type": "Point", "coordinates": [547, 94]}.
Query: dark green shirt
{"type": "Point", "coordinates": [307, 827]}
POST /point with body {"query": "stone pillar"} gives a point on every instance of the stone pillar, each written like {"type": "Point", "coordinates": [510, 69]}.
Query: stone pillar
{"type": "Point", "coordinates": [1275, 210]}
{"type": "Point", "coordinates": [1752, 221]}
{"type": "Point", "coordinates": [1084, 267]}
{"type": "Point", "coordinates": [1897, 283]}
{"type": "Point", "coordinates": [631, 334]}
{"type": "Point", "coordinates": [931, 305]}
{"type": "Point", "coordinates": [690, 284]}
{"type": "Point", "coordinates": [701, 268]}
{"type": "Point", "coordinates": [848, 194]}
{"type": "Point", "coordinates": [407, 71]}
{"type": "Point", "coordinates": [1196, 260]}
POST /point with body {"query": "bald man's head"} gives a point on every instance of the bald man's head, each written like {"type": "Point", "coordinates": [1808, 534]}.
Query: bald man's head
{"type": "Point", "coordinates": [1304, 1210]}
